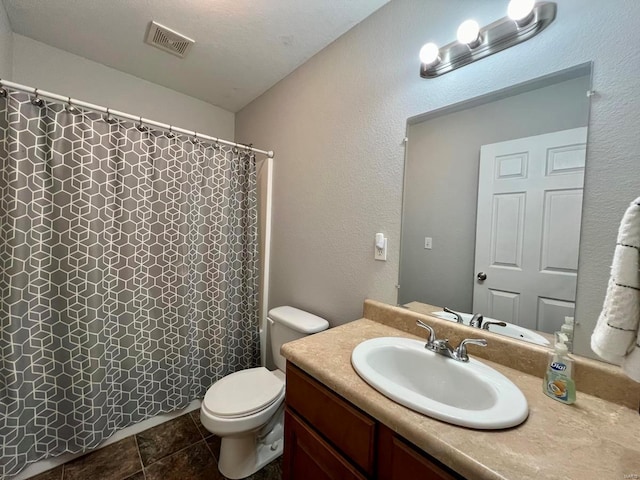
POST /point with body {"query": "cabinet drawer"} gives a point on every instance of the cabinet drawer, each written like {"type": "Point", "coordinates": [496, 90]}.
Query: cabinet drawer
{"type": "Point", "coordinates": [309, 457]}
{"type": "Point", "coordinates": [346, 428]}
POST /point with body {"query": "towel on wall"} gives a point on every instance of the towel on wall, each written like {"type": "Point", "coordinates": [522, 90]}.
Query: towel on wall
{"type": "Point", "coordinates": [616, 337]}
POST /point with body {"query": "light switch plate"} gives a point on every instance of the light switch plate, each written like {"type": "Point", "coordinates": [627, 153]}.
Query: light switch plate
{"type": "Point", "coordinates": [428, 243]}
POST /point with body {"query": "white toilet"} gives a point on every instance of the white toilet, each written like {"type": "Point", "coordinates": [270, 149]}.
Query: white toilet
{"type": "Point", "coordinates": [246, 408]}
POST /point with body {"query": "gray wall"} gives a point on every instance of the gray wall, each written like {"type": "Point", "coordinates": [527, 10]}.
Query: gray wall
{"type": "Point", "coordinates": [337, 124]}
{"type": "Point", "coordinates": [441, 184]}
{"type": "Point", "coordinates": [39, 65]}
{"type": "Point", "coordinates": [6, 45]}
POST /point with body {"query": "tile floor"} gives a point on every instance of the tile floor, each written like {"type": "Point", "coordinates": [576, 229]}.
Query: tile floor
{"type": "Point", "coordinates": [181, 449]}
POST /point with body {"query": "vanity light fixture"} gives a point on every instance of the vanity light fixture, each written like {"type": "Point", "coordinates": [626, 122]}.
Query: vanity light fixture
{"type": "Point", "coordinates": [524, 20]}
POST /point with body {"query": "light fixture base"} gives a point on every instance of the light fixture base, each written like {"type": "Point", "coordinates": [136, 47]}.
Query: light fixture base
{"type": "Point", "coordinates": [497, 36]}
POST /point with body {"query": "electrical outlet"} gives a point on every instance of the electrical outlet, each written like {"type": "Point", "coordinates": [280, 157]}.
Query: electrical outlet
{"type": "Point", "coordinates": [381, 253]}
{"type": "Point", "coordinates": [428, 243]}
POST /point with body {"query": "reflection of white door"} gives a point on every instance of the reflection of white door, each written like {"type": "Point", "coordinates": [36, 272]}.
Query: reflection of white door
{"type": "Point", "coordinates": [528, 228]}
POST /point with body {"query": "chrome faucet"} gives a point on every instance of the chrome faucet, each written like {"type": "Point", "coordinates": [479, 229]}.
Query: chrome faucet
{"type": "Point", "coordinates": [476, 320]}
{"type": "Point", "coordinates": [442, 346]}
{"type": "Point", "coordinates": [458, 316]}
{"type": "Point", "coordinates": [488, 324]}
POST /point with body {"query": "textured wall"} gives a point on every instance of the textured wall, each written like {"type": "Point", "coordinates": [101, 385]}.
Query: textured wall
{"type": "Point", "coordinates": [338, 121]}
{"type": "Point", "coordinates": [6, 45]}
{"type": "Point", "coordinates": [42, 66]}
{"type": "Point", "coordinates": [441, 186]}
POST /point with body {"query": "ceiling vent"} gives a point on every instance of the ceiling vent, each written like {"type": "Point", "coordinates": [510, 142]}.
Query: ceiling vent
{"type": "Point", "coordinates": [169, 40]}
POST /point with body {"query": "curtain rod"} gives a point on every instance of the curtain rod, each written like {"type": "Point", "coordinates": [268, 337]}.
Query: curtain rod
{"type": "Point", "coordinates": [72, 101]}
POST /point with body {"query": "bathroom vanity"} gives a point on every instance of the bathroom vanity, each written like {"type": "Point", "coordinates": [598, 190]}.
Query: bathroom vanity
{"type": "Point", "coordinates": [328, 437]}
{"type": "Point", "coordinates": [338, 427]}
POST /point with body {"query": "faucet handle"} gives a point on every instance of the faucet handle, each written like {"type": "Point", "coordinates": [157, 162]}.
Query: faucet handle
{"type": "Point", "coordinates": [456, 314]}
{"type": "Point", "coordinates": [461, 351]}
{"type": "Point", "coordinates": [488, 324]}
{"type": "Point", "coordinates": [428, 328]}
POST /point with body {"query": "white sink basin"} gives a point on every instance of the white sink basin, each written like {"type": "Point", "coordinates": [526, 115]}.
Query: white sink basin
{"type": "Point", "coordinates": [470, 394]}
{"type": "Point", "coordinates": [511, 330]}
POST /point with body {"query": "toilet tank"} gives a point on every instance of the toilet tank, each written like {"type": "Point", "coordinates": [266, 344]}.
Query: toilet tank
{"type": "Point", "coordinates": [288, 324]}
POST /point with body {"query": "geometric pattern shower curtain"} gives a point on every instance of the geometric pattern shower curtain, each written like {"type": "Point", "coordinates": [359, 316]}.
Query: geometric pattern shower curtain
{"type": "Point", "coordinates": [128, 275]}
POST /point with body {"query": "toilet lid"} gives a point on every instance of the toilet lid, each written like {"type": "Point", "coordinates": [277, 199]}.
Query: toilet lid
{"type": "Point", "coordinates": [243, 393]}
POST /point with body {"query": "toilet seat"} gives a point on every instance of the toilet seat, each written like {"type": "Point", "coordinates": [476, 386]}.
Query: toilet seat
{"type": "Point", "coordinates": [243, 393]}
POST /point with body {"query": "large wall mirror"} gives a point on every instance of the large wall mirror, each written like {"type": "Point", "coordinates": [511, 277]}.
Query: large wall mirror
{"type": "Point", "coordinates": [493, 205]}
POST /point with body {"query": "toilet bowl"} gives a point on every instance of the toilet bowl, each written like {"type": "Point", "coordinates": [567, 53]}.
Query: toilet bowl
{"type": "Point", "coordinates": [245, 409]}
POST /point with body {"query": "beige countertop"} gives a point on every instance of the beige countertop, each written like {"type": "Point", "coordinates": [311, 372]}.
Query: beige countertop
{"type": "Point", "coordinates": [592, 439]}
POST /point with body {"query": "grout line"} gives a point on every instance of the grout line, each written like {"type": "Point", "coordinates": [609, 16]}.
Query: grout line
{"type": "Point", "coordinates": [178, 451]}
{"type": "Point", "coordinates": [135, 439]}
{"type": "Point", "coordinates": [215, 457]}
{"type": "Point", "coordinates": [197, 426]}
{"type": "Point", "coordinates": [202, 439]}
{"type": "Point", "coordinates": [211, 452]}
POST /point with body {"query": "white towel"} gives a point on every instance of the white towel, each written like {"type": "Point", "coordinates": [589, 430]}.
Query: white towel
{"type": "Point", "coordinates": [616, 337]}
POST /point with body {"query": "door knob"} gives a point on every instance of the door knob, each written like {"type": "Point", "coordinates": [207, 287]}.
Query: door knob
{"type": "Point", "coordinates": [482, 276]}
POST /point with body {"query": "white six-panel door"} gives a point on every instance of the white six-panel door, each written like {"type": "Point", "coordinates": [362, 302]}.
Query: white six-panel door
{"type": "Point", "coordinates": [528, 228]}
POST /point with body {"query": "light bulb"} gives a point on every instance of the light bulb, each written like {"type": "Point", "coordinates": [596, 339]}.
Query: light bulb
{"type": "Point", "coordinates": [469, 33]}
{"type": "Point", "coordinates": [520, 10]}
{"type": "Point", "coordinates": [429, 53]}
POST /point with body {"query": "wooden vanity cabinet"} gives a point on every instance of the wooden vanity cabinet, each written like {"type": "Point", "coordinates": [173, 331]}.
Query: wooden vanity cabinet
{"type": "Point", "coordinates": [328, 438]}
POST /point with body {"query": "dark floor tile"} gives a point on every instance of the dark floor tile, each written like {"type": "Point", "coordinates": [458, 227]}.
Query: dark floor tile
{"type": "Point", "coordinates": [214, 444]}
{"type": "Point", "coordinates": [113, 462]}
{"type": "Point", "coordinates": [53, 474]}
{"type": "Point", "coordinates": [196, 418]}
{"type": "Point", "coordinates": [167, 438]}
{"type": "Point", "coordinates": [136, 476]}
{"type": "Point", "coordinates": [272, 471]}
{"type": "Point", "coordinates": [193, 463]}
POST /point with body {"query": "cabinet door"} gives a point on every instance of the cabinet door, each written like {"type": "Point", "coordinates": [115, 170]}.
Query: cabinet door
{"type": "Point", "coordinates": [397, 460]}
{"type": "Point", "coordinates": [308, 457]}
{"type": "Point", "coordinates": [349, 431]}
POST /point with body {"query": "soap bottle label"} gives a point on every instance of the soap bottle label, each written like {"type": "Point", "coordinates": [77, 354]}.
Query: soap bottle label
{"type": "Point", "coordinates": [557, 387]}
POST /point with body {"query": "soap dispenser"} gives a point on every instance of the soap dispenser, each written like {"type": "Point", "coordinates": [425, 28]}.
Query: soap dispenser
{"type": "Point", "coordinates": [558, 381]}
{"type": "Point", "coordinates": [567, 329]}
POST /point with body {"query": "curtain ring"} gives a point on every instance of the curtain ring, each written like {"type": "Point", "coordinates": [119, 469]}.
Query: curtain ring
{"type": "Point", "coordinates": [235, 149]}
{"type": "Point", "coordinates": [216, 145]}
{"type": "Point", "coordinates": [140, 126]}
{"type": "Point", "coordinates": [69, 107]}
{"type": "Point", "coordinates": [108, 118]}
{"type": "Point", "coordinates": [195, 139]}
{"type": "Point", "coordinates": [36, 100]}
{"type": "Point", "coordinates": [170, 134]}
{"type": "Point", "coordinates": [3, 91]}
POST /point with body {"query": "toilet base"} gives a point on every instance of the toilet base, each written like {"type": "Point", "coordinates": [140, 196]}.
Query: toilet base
{"type": "Point", "coordinates": [244, 455]}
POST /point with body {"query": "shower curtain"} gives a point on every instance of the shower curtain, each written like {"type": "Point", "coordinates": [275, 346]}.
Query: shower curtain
{"type": "Point", "coordinates": [128, 274]}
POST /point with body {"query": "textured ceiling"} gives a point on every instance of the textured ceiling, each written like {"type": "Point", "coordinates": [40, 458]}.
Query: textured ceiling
{"type": "Point", "coordinates": [243, 47]}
